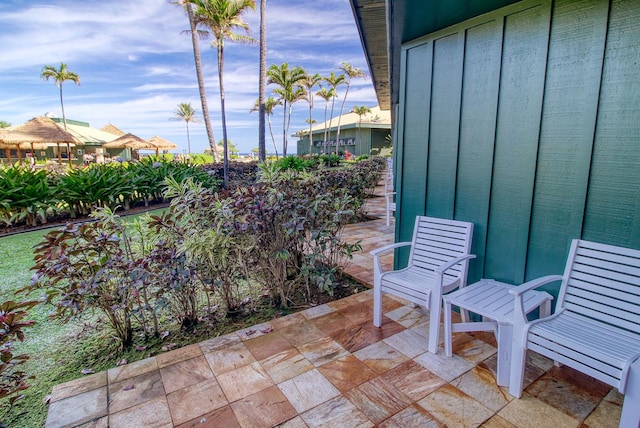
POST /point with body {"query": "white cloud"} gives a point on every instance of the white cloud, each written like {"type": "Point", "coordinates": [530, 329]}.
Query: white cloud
{"type": "Point", "coordinates": [136, 64]}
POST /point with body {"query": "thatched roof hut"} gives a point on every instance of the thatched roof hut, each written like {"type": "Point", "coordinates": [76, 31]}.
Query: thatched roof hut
{"type": "Point", "coordinates": [162, 144]}
{"type": "Point", "coordinates": [39, 130]}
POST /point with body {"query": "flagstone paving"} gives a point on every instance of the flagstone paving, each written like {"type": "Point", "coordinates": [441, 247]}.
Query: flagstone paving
{"type": "Point", "coordinates": [328, 366]}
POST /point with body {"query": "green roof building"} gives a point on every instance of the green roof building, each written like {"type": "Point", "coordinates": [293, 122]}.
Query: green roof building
{"type": "Point", "coordinates": [369, 134]}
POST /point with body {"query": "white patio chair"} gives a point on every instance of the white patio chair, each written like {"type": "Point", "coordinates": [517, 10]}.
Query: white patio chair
{"type": "Point", "coordinates": [595, 327]}
{"type": "Point", "coordinates": [438, 263]}
{"type": "Point", "coordinates": [389, 193]}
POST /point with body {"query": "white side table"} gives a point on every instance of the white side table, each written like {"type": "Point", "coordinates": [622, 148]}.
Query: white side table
{"type": "Point", "coordinates": [492, 300]}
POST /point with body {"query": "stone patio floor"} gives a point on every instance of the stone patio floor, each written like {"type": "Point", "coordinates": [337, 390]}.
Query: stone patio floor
{"type": "Point", "coordinates": [329, 367]}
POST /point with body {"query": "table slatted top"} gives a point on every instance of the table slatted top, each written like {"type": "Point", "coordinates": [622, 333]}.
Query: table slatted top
{"type": "Point", "coordinates": [491, 299]}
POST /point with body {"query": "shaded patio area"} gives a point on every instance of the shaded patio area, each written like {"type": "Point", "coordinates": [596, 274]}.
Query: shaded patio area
{"type": "Point", "coordinates": [329, 366]}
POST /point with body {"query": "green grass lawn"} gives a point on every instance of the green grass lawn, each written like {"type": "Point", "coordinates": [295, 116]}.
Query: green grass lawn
{"type": "Point", "coordinates": [57, 355]}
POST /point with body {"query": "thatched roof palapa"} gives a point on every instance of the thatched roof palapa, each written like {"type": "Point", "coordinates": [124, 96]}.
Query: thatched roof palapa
{"type": "Point", "coordinates": [162, 144]}
{"type": "Point", "coordinates": [129, 141]}
{"type": "Point", "coordinates": [39, 130]}
{"type": "Point", "coordinates": [44, 130]}
{"type": "Point", "coordinates": [112, 129]}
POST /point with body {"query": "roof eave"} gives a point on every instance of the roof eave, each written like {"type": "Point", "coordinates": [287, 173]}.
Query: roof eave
{"type": "Point", "coordinates": [369, 16]}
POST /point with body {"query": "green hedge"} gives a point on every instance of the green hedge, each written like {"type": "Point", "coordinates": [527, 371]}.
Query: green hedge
{"type": "Point", "coordinates": [33, 196]}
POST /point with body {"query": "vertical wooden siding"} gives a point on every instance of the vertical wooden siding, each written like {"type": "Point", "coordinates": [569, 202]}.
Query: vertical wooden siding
{"type": "Point", "coordinates": [481, 82]}
{"type": "Point", "coordinates": [526, 122]}
{"type": "Point", "coordinates": [570, 105]}
{"type": "Point", "coordinates": [524, 51]}
{"type": "Point", "coordinates": [613, 202]}
{"type": "Point", "coordinates": [414, 153]}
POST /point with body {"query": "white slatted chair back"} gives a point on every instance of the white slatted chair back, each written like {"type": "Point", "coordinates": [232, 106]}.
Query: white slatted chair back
{"type": "Point", "coordinates": [388, 177]}
{"type": "Point", "coordinates": [389, 193]}
{"type": "Point", "coordinates": [603, 282]}
{"type": "Point", "coordinates": [436, 241]}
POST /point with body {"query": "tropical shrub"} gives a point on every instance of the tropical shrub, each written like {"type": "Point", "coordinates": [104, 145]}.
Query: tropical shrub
{"type": "Point", "coordinates": [12, 379]}
{"type": "Point", "coordinates": [240, 173]}
{"type": "Point", "coordinates": [28, 195]}
{"type": "Point", "coordinates": [210, 254]}
{"type": "Point", "coordinates": [97, 186]}
{"type": "Point", "coordinates": [25, 195]}
{"type": "Point", "coordinates": [202, 228]}
{"type": "Point", "coordinates": [92, 266]}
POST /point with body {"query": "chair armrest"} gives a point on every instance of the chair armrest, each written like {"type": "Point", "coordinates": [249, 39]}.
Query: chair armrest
{"type": "Point", "coordinates": [448, 265]}
{"type": "Point", "coordinates": [377, 267]}
{"type": "Point", "coordinates": [519, 316]}
{"type": "Point", "coordinates": [533, 284]}
{"type": "Point", "coordinates": [389, 247]}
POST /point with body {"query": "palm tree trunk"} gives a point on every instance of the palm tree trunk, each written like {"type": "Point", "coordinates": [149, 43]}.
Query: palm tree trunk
{"type": "Point", "coordinates": [275, 146]}
{"type": "Point", "coordinates": [340, 117]}
{"type": "Point", "coordinates": [262, 155]}
{"type": "Point", "coordinates": [225, 145]}
{"type": "Point", "coordinates": [188, 141]}
{"type": "Point", "coordinates": [64, 118]}
{"type": "Point", "coordinates": [310, 125]}
{"type": "Point", "coordinates": [200, 76]}
{"type": "Point", "coordinates": [333, 101]}
{"type": "Point", "coordinates": [288, 116]}
{"type": "Point", "coordinates": [324, 141]}
{"type": "Point", "coordinates": [284, 130]}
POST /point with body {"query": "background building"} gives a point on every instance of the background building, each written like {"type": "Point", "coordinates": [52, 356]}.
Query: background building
{"type": "Point", "coordinates": [369, 134]}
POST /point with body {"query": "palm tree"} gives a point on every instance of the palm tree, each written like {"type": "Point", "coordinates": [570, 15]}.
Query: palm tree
{"type": "Point", "coordinates": [262, 152]}
{"type": "Point", "coordinates": [222, 18]}
{"type": "Point", "coordinates": [326, 95]}
{"type": "Point", "coordinates": [360, 111]}
{"type": "Point", "coordinates": [185, 112]}
{"type": "Point", "coordinates": [334, 81]}
{"type": "Point", "coordinates": [230, 146]}
{"type": "Point", "coordinates": [290, 90]}
{"type": "Point", "coordinates": [188, 8]}
{"type": "Point", "coordinates": [350, 72]}
{"type": "Point", "coordinates": [269, 104]}
{"type": "Point", "coordinates": [59, 75]}
{"type": "Point", "coordinates": [308, 83]}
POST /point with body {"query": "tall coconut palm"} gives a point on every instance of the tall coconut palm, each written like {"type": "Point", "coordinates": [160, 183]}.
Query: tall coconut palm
{"type": "Point", "coordinates": [360, 111]}
{"type": "Point", "coordinates": [60, 75]}
{"type": "Point", "coordinates": [222, 18]}
{"type": "Point", "coordinates": [269, 104]}
{"type": "Point", "coordinates": [188, 8]}
{"type": "Point", "coordinates": [262, 83]}
{"type": "Point", "coordinates": [350, 72]}
{"type": "Point", "coordinates": [326, 95]}
{"type": "Point", "coordinates": [289, 91]}
{"type": "Point", "coordinates": [334, 81]}
{"type": "Point", "coordinates": [185, 112]}
{"type": "Point", "coordinates": [309, 82]}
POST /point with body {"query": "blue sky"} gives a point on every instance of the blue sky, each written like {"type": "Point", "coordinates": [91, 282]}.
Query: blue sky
{"type": "Point", "coordinates": [136, 65]}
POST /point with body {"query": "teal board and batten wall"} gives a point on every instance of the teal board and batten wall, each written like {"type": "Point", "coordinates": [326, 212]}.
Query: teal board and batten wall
{"type": "Point", "coordinates": [526, 122]}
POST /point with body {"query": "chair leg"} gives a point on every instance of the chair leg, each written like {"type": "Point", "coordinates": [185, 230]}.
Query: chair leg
{"type": "Point", "coordinates": [630, 409]}
{"type": "Point", "coordinates": [435, 305]}
{"type": "Point", "coordinates": [377, 305]}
